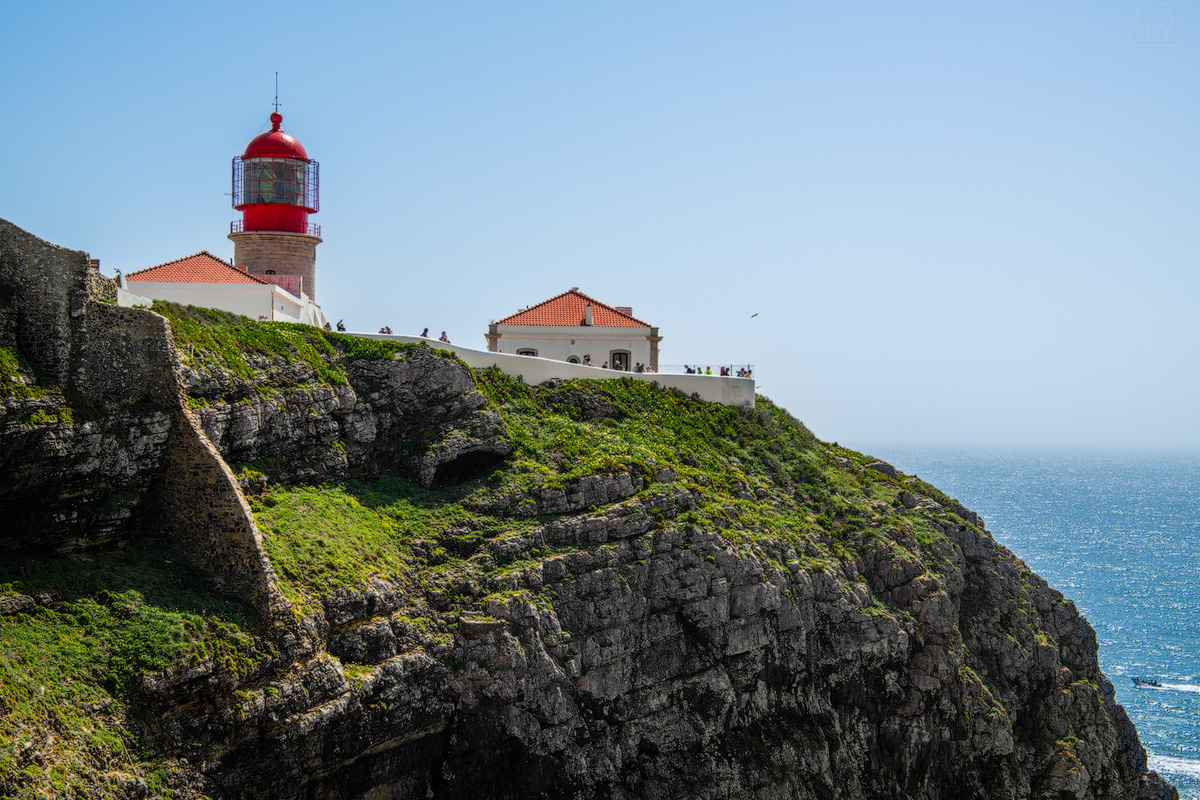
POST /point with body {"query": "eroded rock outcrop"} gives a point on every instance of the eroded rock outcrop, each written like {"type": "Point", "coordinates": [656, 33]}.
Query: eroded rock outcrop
{"type": "Point", "coordinates": [417, 413]}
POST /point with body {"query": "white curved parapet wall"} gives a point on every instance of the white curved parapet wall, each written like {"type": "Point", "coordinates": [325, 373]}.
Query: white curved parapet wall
{"type": "Point", "coordinates": [534, 370]}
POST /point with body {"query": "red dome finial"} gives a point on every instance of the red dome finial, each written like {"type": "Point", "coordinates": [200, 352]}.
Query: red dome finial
{"type": "Point", "coordinates": [276, 118]}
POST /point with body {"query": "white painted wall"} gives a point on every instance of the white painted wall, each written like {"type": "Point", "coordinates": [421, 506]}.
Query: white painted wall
{"type": "Point", "coordinates": [252, 300]}
{"type": "Point", "coordinates": [559, 342]}
{"type": "Point", "coordinates": [127, 299]}
{"type": "Point", "coordinates": [712, 388]}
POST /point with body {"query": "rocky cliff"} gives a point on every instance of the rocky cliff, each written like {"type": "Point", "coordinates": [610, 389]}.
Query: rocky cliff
{"type": "Point", "coordinates": [428, 582]}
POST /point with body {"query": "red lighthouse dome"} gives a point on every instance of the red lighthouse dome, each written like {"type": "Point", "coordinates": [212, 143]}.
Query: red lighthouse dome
{"type": "Point", "coordinates": [275, 142]}
{"type": "Point", "coordinates": [275, 184]}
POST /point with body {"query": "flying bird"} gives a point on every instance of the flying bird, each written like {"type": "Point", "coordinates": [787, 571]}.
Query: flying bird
{"type": "Point", "coordinates": [752, 316]}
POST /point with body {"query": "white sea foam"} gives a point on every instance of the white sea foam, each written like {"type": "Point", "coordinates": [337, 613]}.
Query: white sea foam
{"type": "Point", "coordinates": [1174, 769]}
{"type": "Point", "coordinates": [1169, 765]}
{"type": "Point", "coordinates": [1182, 687]}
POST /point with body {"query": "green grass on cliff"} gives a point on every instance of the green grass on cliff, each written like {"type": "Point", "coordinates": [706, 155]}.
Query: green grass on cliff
{"type": "Point", "coordinates": [759, 470]}
{"type": "Point", "coordinates": [69, 670]}
{"type": "Point", "coordinates": [18, 379]}
{"type": "Point", "coordinates": [760, 477]}
{"type": "Point", "coordinates": [338, 536]}
{"type": "Point", "coordinates": [642, 428]}
{"type": "Point", "coordinates": [318, 536]}
{"type": "Point", "coordinates": [228, 340]}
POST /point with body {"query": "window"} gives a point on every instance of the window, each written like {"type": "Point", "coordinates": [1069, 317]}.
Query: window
{"type": "Point", "coordinates": [526, 351]}
{"type": "Point", "coordinates": [267, 179]}
{"type": "Point", "coordinates": [573, 360]}
{"type": "Point", "coordinates": [619, 359]}
{"type": "Point", "coordinates": [275, 180]}
{"type": "Point", "coordinates": [268, 272]}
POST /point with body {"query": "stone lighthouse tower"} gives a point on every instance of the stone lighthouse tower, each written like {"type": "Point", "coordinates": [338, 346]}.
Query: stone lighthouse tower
{"type": "Point", "coordinates": [275, 186]}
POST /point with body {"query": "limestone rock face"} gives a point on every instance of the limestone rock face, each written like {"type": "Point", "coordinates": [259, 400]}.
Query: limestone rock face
{"type": "Point", "coordinates": [672, 664]}
{"type": "Point", "coordinates": [418, 413]}
{"type": "Point", "coordinates": [426, 410]}
{"type": "Point", "coordinates": [74, 486]}
{"type": "Point", "coordinates": [296, 425]}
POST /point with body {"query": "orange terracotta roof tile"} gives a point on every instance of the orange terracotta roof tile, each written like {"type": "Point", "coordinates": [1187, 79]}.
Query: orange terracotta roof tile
{"type": "Point", "coordinates": [568, 309]}
{"type": "Point", "coordinates": [203, 267]}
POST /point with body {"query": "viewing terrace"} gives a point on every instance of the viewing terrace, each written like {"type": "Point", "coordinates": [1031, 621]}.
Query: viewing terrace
{"type": "Point", "coordinates": [729, 391]}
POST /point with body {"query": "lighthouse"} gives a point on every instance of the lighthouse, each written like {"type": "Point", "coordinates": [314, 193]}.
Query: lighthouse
{"type": "Point", "coordinates": [275, 186]}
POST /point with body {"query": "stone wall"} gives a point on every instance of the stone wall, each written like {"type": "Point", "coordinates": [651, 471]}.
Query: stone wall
{"type": "Point", "coordinates": [122, 355]}
{"type": "Point", "coordinates": [201, 509]}
{"type": "Point", "coordinates": [121, 367]}
{"type": "Point", "coordinates": [43, 287]}
{"type": "Point", "coordinates": [99, 287]}
{"type": "Point", "coordinates": [210, 522]}
{"type": "Point", "coordinates": [75, 476]}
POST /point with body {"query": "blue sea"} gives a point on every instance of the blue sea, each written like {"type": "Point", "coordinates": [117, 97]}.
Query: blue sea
{"type": "Point", "coordinates": [1118, 532]}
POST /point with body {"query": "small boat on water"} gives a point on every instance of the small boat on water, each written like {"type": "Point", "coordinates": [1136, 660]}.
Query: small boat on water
{"type": "Point", "coordinates": [1143, 682]}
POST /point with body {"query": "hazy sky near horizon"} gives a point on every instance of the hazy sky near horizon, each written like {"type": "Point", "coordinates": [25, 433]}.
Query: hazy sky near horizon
{"type": "Point", "coordinates": [956, 223]}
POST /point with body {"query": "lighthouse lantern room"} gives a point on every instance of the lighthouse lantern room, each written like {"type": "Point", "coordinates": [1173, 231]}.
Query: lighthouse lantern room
{"type": "Point", "coordinates": [276, 186]}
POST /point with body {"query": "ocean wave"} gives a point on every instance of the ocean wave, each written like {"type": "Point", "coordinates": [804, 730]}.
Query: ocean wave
{"type": "Point", "coordinates": [1169, 765]}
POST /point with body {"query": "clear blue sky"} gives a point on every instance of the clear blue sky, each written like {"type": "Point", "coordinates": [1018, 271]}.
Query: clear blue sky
{"type": "Point", "coordinates": [956, 223]}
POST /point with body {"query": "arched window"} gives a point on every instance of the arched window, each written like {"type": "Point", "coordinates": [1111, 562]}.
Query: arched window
{"type": "Point", "coordinates": [527, 351]}
{"type": "Point", "coordinates": [619, 359]}
{"type": "Point", "coordinates": [268, 272]}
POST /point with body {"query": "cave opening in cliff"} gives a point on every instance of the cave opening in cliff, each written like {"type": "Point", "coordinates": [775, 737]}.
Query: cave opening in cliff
{"type": "Point", "coordinates": [467, 466]}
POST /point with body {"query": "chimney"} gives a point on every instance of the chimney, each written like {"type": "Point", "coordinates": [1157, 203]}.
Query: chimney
{"type": "Point", "coordinates": [625, 310]}
{"type": "Point", "coordinates": [94, 263]}
{"type": "Point", "coordinates": [587, 314]}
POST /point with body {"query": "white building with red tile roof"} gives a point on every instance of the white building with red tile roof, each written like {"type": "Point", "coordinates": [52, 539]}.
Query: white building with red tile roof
{"type": "Point", "coordinates": [571, 327]}
{"type": "Point", "coordinates": [205, 280]}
